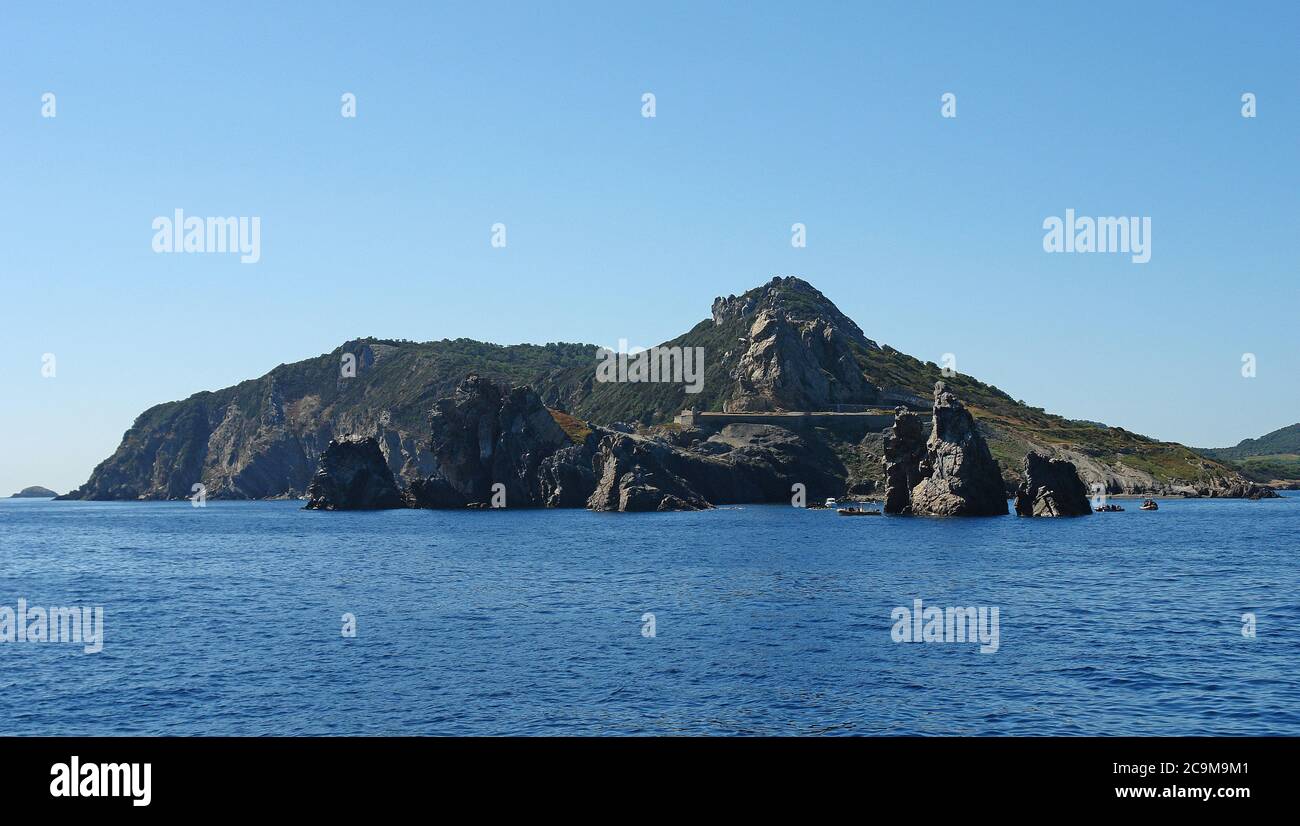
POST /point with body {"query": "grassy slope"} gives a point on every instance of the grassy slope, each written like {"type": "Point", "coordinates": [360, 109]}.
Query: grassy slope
{"type": "Point", "coordinates": [1281, 467]}
{"type": "Point", "coordinates": [1285, 441]}
{"type": "Point", "coordinates": [1272, 457]}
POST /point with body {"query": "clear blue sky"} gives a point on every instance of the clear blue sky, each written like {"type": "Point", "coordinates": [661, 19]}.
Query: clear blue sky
{"type": "Point", "coordinates": [926, 231]}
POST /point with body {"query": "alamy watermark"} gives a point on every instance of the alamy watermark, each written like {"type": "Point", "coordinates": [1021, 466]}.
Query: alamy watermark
{"type": "Point", "coordinates": [1084, 234]}
{"type": "Point", "coordinates": [194, 234]}
{"type": "Point", "coordinates": [82, 625]}
{"type": "Point", "coordinates": [77, 779]}
{"type": "Point", "coordinates": [930, 624]}
{"type": "Point", "coordinates": [676, 365]}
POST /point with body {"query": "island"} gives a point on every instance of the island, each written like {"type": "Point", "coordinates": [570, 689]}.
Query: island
{"type": "Point", "coordinates": [34, 492]}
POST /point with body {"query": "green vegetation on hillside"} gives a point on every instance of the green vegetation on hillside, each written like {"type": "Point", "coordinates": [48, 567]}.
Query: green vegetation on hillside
{"type": "Point", "coordinates": [1281, 442]}
{"type": "Point", "coordinates": [1283, 467]}
{"type": "Point", "coordinates": [1273, 457]}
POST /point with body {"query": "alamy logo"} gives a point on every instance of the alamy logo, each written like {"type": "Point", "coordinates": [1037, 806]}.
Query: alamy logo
{"type": "Point", "coordinates": [84, 625]}
{"type": "Point", "coordinates": [1084, 234]}
{"type": "Point", "coordinates": [677, 365]}
{"type": "Point", "coordinates": [194, 234]}
{"type": "Point", "coordinates": [930, 624]}
{"type": "Point", "coordinates": [77, 779]}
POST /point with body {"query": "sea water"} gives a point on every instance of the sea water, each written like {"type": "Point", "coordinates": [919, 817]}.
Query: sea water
{"type": "Point", "coordinates": [756, 620]}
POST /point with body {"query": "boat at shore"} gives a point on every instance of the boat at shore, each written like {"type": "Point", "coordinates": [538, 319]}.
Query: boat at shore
{"type": "Point", "coordinates": [857, 512]}
{"type": "Point", "coordinates": [1109, 508]}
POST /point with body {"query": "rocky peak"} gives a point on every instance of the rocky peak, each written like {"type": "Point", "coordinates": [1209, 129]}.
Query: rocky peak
{"type": "Point", "coordinates": [789, 298]}
{"type": "Point", "coordinates": [799, 351]}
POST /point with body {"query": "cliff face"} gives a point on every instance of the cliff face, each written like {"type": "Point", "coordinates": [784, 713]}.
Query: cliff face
{"type": "Point", "coordinates": [780, 346]}
{"type": "Point", "coordinates": [487, 435]}
{"type": "Point", "coordinates": [263, 438]}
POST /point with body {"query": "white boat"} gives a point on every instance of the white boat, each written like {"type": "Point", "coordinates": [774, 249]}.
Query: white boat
{"type": "Point", "coordinates": [830, 503]}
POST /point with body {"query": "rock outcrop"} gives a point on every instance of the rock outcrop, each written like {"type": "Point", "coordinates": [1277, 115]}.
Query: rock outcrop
{"type": "Point", "coordinates": [689, 470]}
{"type": "Point", "coordinates": [1235, 488]}
{"type": "Point", "coordinates": [958, 475]}
{"type": "Point", "coordinates": [1051, 487]}
{"type": "Point", "coordinates": [566, 478]}
{"type": "Point", "coordinates": [904, 451]}
{"type": "Point", "coordinates": [353, 475]}
{"type": "Point", "coordinates": [631, 475]}
{"type": "Point", "coordinates": [485, 435]}
{"type": "Point", "coordinates": [1118, 479]}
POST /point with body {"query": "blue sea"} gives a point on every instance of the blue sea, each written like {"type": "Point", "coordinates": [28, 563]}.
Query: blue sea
{"type": "Point", "coordinates": [767, 620]}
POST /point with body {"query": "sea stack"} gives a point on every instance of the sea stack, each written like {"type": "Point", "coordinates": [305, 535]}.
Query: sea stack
{"type": "Point", "coordinates": [959, 476]}
{"type": "Point", "coordinates": [1051, 487]}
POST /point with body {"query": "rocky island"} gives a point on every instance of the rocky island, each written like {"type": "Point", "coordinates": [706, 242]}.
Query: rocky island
{"type": "Point", "coordinates": [34, 492]}
{"type": "Point", "coordinates": [792, 392]}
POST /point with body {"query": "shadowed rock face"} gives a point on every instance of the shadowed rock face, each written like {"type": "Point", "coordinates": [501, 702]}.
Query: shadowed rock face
{"type": "Point", "coordinates": [1052, 487]}
{"type": "Point", "coordinates": [353, 475]}
{"type": "Point", "coordinates": [958, 475]}
{"type": "Point", "coordinates": [566, 478]}
{"type": "Point", "coordinates": [486, 435]}
{"type": "Point", "coordinates": [904, 451]}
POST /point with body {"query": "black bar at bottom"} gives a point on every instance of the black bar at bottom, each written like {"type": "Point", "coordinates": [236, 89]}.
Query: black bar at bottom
{"type": "Point", "coordinates": [332, 775]}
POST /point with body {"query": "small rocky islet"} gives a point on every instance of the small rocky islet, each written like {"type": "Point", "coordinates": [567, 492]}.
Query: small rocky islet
{"type": "Point", "coordinates": [34, 492]}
